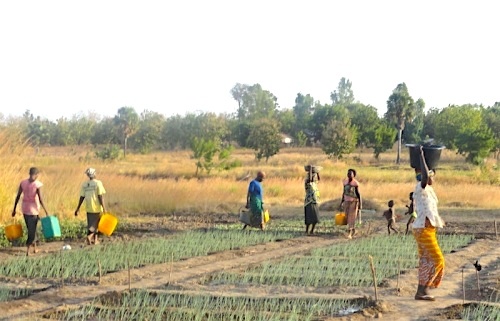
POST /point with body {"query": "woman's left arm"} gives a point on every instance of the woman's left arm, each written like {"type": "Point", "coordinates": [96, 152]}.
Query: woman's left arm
{"type": "Point", "coordinates": [39, 192]}
{"type": "Point", "coordinates": [359, 197]}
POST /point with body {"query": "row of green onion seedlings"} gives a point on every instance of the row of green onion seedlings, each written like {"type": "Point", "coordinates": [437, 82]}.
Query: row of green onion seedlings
{"type": "Point", "coordinates": [7, 293]}
{"type": "Point", "coordinates": [343, 264]}
{"type": "Point", "coordinates": [83, 263]}
{"type": "Point", "coordinates": [143, 305]}
{"type": "Point", "coordinates": [481, 311]}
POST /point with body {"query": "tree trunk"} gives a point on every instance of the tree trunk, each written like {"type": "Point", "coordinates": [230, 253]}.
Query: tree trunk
{"type": "Point", "coordinates": [398, 159]}
{"type": "Point", "coordinates": [125, 146]}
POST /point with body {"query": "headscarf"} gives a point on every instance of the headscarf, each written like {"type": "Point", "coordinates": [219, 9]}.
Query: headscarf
{"type": "Point", "coordinates": [90, 172]}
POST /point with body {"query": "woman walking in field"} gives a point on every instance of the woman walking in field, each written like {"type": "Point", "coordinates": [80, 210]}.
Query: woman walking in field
{"type": "Point", "coordinates": [311, 202]}
{"type": "Point", "coordinates": [255, 202]}
{"type": "Point", "coordinates": [92, 191]}
{"type": "Point", "coordinates": [431, 259]}
{"type": "Point", "coordinates": [351, 201]}
{"type": "Point", "coordinates": [32, 200]}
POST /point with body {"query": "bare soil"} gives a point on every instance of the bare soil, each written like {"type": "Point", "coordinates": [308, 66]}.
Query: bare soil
{"type": "Point", "coordinates": [395, 297]}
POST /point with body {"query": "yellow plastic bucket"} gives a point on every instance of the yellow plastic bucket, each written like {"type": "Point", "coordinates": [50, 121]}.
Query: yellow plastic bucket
{"type": "Point", "coordinates": [340, 219]}
{"type": "Point", "coordinates": [266, 216]}
{"type": "Point", "coordinates": [107, 224]}
{"type": "Point", "coordinates": [13, 232]}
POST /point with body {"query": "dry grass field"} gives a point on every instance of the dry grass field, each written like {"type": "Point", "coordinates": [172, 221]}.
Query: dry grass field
{"type": "Point", "coordinates": [162, 204]}
{"type": "Point", "coordinates": [164, 182]}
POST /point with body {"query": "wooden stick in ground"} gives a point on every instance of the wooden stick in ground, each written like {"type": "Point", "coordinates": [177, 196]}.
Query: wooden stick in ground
{"type": "Point", "coordinates": [171, 267]}
{"type": "Point", "coordinates": [62, 269]}
{"type": "Point", "coordinates": [129, 279]}
{"type": "Point", "coordinates": [496, 230]}
{"type": "Point", "coordinates": [100, 269]}
{"type": "Point", "coordinates": [463, 285]}
{"type": "Point", "coordinates": [478, 288]}
{"type": "Point", "coordinates": [372, 267]}
{"type": "Point", "coordinates": [399, 273]}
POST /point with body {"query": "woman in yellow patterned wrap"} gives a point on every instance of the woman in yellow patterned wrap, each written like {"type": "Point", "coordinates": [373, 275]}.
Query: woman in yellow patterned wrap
{"type": "Point", "coordinates": [431, 259]}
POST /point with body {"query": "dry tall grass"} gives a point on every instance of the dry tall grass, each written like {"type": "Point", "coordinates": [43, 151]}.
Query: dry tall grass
{"type": "Point", "coordinates": [164, 183]}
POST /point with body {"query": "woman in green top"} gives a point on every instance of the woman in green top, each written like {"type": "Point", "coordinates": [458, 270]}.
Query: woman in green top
{"type": "Point", "coordinates": [311, 201]}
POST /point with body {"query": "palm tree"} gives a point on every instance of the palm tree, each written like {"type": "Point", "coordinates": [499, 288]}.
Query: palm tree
{"type": "Point", "coordinates": [127, 120]}
{"type": "Point", "coordinates": [400, 108]}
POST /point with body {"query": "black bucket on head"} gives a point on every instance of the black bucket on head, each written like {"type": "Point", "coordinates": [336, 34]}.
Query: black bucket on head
{"type": "Point", "coordinates": [432, 154]}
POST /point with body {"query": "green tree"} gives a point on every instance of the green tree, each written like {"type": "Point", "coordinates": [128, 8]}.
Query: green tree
{"type": "Point", "coordinates": [383, 138]}
{"type": "Point", "coordinates": [286, 119]}
{"type": "Point", "coordinates": [210, 126]}
{"type": "Point", "coordinates": [343, 95]}
{"type": "Point", "coordinates": [254, 103]}
{"type": "Point", "coordinates": [366, 120]}
{"type": "Point", "coordinates": [238, 92]}
{"type": "Point", "coordinates": [339, 138]}
{"type": "Point", "coordinates": [148, 135]}
{"type": "Point", "coordinates": [62, 133]}
{"type": "Point", "coordinates": [301, 139]}
{"type": "Point", "coordinates": [463, 128]}
{"type": "Point", "coordinates": [106, 133]}
{"type": "Point", "coordinates": [38, 130]}
{"type": "Point", "coordinates": [400, 109]}
{"type": "Point", "coordinates": [109, 152]}
{"type": "Point", "coordinates": [492, 118]}
{"type": "Point", "coordinates": [127, 121]}
{"type": "Point", "coordinates": [302, 111]}
{"type": "Point", "coordinates": [82, 127]}
{"type": "Point", "coordinates": [210, 154]}
{"type": "Point", "coordinates": [175, 133]}
{"type": "Point", "coordinates": [322, 117]}
{"type": "Point", "coordinates": [264, 138]}
{"type": "Point", "coordinates": [414, 128]}
{"type": "Point", "coordinates": [204, 151]}
{"type": "Point", "coordinates": [429, 128]}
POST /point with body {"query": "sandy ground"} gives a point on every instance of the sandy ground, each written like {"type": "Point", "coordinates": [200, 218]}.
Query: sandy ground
{"type": "Point", "coordinates": [395, 297]}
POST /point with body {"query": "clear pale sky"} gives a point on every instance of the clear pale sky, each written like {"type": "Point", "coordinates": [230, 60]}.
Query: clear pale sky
{"type": "Point", "coordinates": [61, 58]}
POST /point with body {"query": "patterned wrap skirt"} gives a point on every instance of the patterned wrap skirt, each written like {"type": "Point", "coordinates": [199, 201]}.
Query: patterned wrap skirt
{"type": "Point", "coordinates": [351, 211]}
{"type": "Point", "coordinates": [431, 260]}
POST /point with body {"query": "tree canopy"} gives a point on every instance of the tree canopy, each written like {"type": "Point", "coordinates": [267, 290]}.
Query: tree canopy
{"type": "Point", "coordinates": [259, 123]}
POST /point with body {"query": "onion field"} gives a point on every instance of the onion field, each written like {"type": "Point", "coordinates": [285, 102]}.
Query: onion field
{"type": "Point", "coordinates": [345, 264]}
{"type": "Point", "coordinates": [483, 312]}
{"type": "Point", "coordinates": [84, 263]}
{"type": "Point", "coordinates": [145, 305]}
{"type": "Point", "coordinates": [7, 293]}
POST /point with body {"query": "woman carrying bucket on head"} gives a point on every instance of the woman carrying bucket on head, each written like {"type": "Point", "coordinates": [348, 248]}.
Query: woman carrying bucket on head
{"type": "Point", "coordinates": [32, 200]}
{"type": "Point", "coordinates": [92, 191]}
{"type": "Point", "coordinates": [431, 259]}
{"type": "Point", "coordinates": [311, 201]}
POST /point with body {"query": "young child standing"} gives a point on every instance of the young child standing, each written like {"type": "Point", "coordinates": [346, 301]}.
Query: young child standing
{"type": "Point", "coordinates": [391, 217]}
{"type": "Point", "coordinates": [411, 211]}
